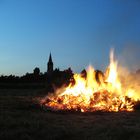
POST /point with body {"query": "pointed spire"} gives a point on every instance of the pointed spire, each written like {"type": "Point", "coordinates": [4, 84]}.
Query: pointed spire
{"type": "Point", "coordinates": [50, 58]}
{"type": "Point", "coordinates": [50, 65]}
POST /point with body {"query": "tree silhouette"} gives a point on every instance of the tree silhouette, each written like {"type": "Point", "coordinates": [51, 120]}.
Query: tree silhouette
{"type": "Point", "coordinates": [36, 71]}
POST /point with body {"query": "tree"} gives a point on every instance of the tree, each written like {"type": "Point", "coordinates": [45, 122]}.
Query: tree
{"type": "Point", "coordinates": [36, 71]}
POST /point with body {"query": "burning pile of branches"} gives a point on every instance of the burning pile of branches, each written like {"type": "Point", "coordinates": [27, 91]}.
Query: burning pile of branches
{"type": "Point", "coordinates": [96, 91]}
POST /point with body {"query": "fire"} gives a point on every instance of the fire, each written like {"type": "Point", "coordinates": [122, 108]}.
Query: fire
{"type": "Point", "coordinates": [95, 92]}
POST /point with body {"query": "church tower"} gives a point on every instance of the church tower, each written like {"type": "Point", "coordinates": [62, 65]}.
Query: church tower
{"type": "Point", "coordinates": [50, 65]}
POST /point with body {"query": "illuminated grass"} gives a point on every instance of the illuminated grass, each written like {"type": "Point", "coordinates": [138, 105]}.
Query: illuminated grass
{"type": "Point", "coordinates": [20, 119]}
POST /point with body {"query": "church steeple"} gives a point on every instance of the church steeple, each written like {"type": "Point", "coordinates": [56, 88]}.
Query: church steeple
{"type": "Point", "coordinates": [50, 58]}
{"type": "Point", "coordinates": [50, 65]}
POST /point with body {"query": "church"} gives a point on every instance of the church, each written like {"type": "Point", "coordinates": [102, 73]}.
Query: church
{"type": "Point", "coordinates": [55, 77]}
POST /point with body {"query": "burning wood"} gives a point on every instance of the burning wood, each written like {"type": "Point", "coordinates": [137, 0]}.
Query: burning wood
{"type": "Point", "coordinates": [93, 92]}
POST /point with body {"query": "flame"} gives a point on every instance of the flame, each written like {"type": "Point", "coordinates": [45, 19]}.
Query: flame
{"type": "Point", "coordinates": [96, 91]}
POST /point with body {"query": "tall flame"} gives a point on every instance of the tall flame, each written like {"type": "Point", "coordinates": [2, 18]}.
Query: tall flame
{"type": "Point", "coordinates": [96, 91]}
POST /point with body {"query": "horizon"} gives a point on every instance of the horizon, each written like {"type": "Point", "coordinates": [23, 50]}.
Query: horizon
{"type": "Point", "coordinates": [77, 33]}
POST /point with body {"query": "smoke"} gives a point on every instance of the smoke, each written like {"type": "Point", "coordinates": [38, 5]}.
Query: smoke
{"type": "Point", "coordinates": [130, 57]}
{"type": "Point", "coordinates": [129, 63]}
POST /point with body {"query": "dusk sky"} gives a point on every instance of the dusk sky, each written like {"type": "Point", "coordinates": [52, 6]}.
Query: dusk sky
{"type": "Point", "coordinates": [76, 32]}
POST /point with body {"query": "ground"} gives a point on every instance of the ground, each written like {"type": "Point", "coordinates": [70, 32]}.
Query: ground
{"type": "Point", "coordinates": [21, 119]}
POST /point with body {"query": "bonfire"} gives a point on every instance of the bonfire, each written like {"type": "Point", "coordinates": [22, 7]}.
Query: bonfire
{"type": "Point", "coordinates": [96, 91]}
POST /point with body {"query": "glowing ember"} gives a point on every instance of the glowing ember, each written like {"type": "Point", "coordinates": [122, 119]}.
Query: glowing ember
{"type": "Point", "coordinates": [96, 91]}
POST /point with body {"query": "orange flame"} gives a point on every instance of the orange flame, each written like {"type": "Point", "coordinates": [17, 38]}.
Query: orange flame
{"type": "Point", "coordinates": [95, 92]}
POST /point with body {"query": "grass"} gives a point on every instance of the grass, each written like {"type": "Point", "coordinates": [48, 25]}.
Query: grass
{"type": "Point", "coordinates": [21, 119]}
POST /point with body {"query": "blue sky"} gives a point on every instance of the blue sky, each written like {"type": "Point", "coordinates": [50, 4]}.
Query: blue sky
{"type": "Point", "coordinates": [76, 32]}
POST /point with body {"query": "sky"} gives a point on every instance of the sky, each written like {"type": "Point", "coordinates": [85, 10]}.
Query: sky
{"type": "Point", "coordinates": [76, 32]}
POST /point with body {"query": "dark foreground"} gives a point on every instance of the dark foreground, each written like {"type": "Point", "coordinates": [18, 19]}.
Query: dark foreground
{"type": "Point", "coordinates": [20, 119]}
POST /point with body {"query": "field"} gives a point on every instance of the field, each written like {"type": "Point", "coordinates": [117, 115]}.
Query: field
{"type": "Point", "coordinates": [21, 119]}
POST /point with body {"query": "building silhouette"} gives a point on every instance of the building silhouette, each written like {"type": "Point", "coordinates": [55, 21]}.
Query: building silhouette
{"type": "Point", "coordinates": [50, 65]}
